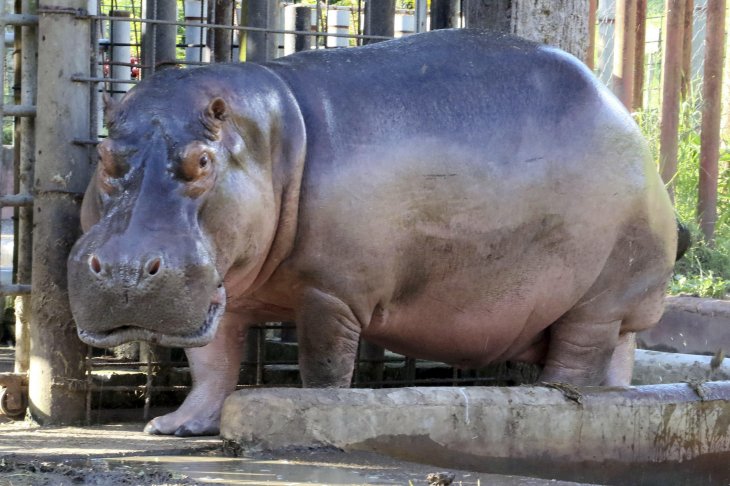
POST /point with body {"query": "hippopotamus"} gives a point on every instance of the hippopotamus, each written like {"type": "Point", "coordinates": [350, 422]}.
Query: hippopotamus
{"type": "Point", "coordinates": [459, 196]}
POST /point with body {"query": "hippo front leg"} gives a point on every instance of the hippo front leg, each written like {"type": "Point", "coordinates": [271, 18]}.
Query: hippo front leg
{"type": "Point", "coordinates": [328, 333]}
{"type": "Point", "coordinates": [215, 370]}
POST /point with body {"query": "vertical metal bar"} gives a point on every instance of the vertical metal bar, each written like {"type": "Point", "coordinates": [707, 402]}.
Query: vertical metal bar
{"type": "Point", "coordinates": [622, 79]}
{"type": "Point", "coordinates": [159, 40]}
{"type": "Point", "coordinates": [379, 19]}
{"type": "Point", "coordinates": [57, 355]}
{"type": "Point", "coordinates": [298, 18]}
{"type": "Point", "coordinates": [711, 114]}
{"type": "Point", "coordinates": [639, 56]}
{"type": "Point", "coordinates": [686, 87]}
{"type": "Point", "coordinates": [445, 14]}
{"type": "Point", "coordinates": [194, 36]}
{"type": "Point", "coordinates": [96, 120]}
{"type": "Point", "coordinates": [121, 52]}
{"type": "Point", "coordinates": [338, 22]}
{"type": "Point", "coordinates": [421, 16]}
{"type": "Point", "coordinates": [671, 80]}
{"type": "Point", "coordinates": [410, 366]}
{"type": "Point", "coordinates": [591, 50]}
{"type": "Point", "coordinates": [28, 96]}
{"type": "Point", "coordinates": [259, 46]}
{"type": "Point", "coordinates": [89, 382]}
{"type": "Point", "coordinates": [222, 42]}
{"type": "Point", "coordinates": [148, 384]}
{"type": "Point", "coordinates": [260, 355]}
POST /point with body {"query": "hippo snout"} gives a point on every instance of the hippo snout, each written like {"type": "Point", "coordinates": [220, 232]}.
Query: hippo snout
{"type": "Point", "coordinates": [173, 296]}
{"type": "Point", "coordinates": [148, 268]}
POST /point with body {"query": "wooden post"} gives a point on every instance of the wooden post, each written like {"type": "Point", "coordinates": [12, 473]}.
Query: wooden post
{"type": "Point", "coordinates": [379, 19]}
{"type": "Point", "coordinates": [223, 37]}
{"type": "Point", "coordinates": [622, 79]}
{"type": "Point", "coordinates": [711, 113]}
{"type": "Point", "coordinates": [671, 81]}
{"type": "Point", "coordinates": [590, 58]}
{"type": "Point", "coordinates": [639, 56]}
{"type": "Point", "coordinates": [444, 14]}
{"type": "Point", "coordinates": [686, 87]}
{"type": "Point", "coordinates": [62, 171]}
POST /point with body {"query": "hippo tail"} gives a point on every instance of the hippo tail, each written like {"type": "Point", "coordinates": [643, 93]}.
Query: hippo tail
{"type": "Point", "coordinates": [684, 239]}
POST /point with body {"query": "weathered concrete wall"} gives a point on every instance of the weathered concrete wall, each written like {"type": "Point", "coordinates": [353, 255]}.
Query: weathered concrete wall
{"type": "Point", "coordinates": [690, 325]}
{"type": "Point", "coordinates": [466, 427]}
{"type": "Point", "coordinates": [654, 367]}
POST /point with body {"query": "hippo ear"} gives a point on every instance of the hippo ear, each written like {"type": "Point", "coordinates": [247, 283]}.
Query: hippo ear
{"type": "Point", "coordinates": [214, 116]}
{"type": "Point", "coordinates": [111, 107]}
{"type": "Point", "coordinates": [218, 109]}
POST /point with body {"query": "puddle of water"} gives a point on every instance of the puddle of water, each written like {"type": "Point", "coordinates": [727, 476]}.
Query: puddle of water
{"type": "Point", "coordinates": [224, 470]}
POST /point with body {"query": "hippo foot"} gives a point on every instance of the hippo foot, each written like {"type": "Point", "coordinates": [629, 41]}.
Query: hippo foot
{"type": "Point", "coordinates": [184, 424]}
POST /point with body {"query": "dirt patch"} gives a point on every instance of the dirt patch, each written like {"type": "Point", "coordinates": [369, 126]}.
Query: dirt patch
{"type": "Point", "coordinates": [49, 473]}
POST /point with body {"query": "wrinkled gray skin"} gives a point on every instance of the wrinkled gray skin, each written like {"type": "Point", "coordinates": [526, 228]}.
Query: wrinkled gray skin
{"type": "Point", "coordinates": [457, 196]}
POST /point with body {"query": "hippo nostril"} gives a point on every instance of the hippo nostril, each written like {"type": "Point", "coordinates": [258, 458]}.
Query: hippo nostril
{"type": "Point", "coordinates": [153, 266]}
{"type": "Point", "coordinates": [95, 264]}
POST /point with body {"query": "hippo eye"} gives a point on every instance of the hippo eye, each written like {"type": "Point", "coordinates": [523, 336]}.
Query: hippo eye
{"type": "Point", "coordinates": [204, 159]}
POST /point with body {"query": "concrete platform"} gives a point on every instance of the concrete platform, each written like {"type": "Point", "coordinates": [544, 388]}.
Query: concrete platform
{"type": "Point", "coordinates": [584, 434]}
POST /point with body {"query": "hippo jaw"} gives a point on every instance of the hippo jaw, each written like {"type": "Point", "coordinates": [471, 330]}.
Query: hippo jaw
{"type": "Point", "coordinates": [125, 334]}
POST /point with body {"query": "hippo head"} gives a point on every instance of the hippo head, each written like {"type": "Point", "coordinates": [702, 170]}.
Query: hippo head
{"type": "Point", "coordinates": [185, 194]}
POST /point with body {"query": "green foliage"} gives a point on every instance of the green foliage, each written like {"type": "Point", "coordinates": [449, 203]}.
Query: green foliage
{"type": "Point", "coordinates": [655, 8]}
{"type": "Point", "coordinates": [704, 270]}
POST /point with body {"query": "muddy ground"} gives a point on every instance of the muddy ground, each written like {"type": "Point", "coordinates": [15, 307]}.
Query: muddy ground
{"type": "Point", "coordinates": [122, 455]}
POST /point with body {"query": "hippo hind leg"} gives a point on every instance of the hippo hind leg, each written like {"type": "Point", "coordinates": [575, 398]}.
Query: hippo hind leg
{"type": "Point", "coordinates": [215, 371]}
{"type": "Point", "coordinates": [594, 342]}
{"type": "Point", "coordinates": [579, 351]}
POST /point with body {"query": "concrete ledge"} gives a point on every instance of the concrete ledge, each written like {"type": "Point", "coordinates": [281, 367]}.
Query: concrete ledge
{"type": "Point", "coordinates": [654, 423]}
{"type": "Point", "coordinates": [654, 367]}
{"type": "Point", "coordinates": [690, 325]}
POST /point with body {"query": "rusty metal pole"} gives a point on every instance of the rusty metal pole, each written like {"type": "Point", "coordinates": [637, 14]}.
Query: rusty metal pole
{"type": "Point", "coordinates": [591, 50]}
{"type": "Point", "coordinates": [379, 19]}
{"type": "Point", "coordinates": [639, 56]}
{"type": "Point", "coordinates": [711, 114]}
{"type": "Point", "coordinates": [445, 14]}
{"type": "Point", "coordinates": [686, 87]}
{"type": "Point", "coordinates": [622, 78]}
{"type": "Point", "coordinates": [63, 169]}
{"type": "Point", "coordinates": [671, 81]}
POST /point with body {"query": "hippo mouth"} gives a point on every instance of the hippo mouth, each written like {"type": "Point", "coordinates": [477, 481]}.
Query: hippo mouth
{"type": "Point", "coordinates": [125, 334]}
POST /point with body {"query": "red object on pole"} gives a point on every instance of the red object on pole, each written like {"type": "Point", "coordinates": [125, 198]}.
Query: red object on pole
{"type": "Point", "coordinates": [622, 79]}
{"type": "Point", "coordinates": [639, 55]}
{"type": "Point", "coordinates": [591, 51]}
{"type": "Point", "coordinates": [671, 80]}
{"type": "Point", "coordinates": [711, 113]}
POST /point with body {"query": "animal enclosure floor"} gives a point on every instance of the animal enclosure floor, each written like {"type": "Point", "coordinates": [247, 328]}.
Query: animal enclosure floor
{"type": "Point", "coordinates": [122, 454]}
